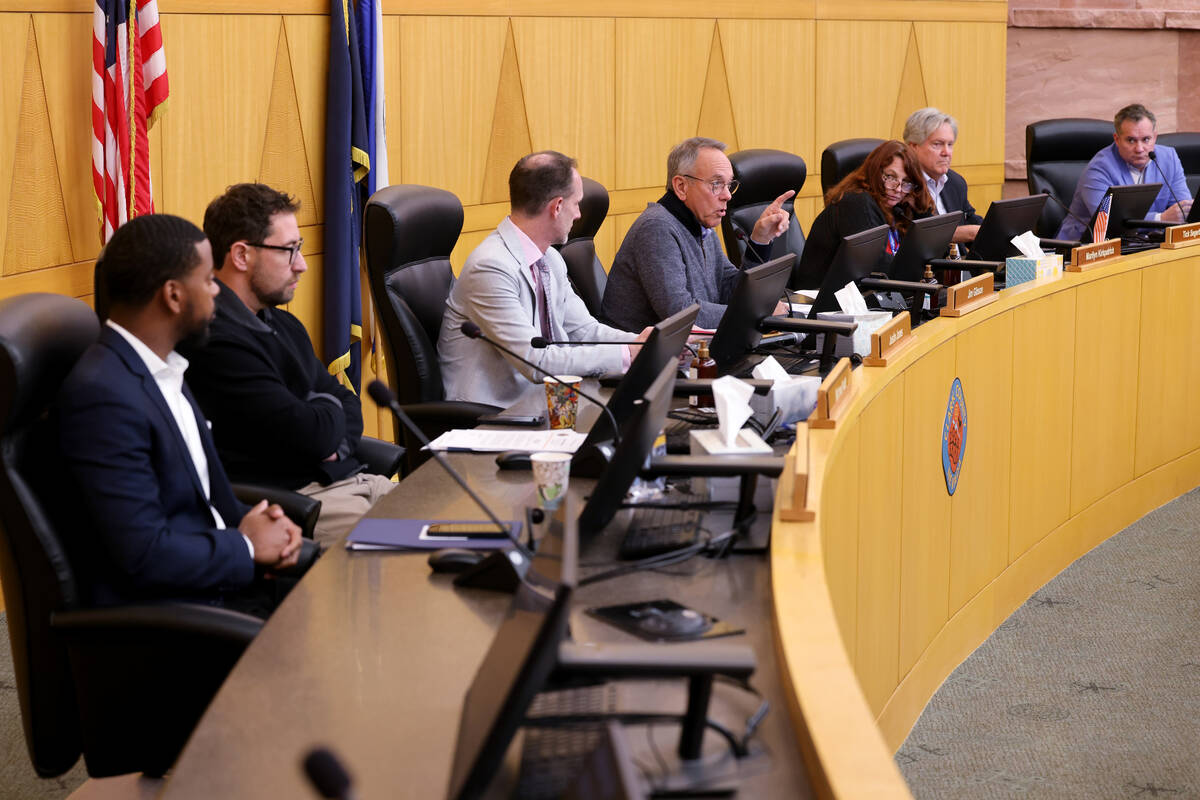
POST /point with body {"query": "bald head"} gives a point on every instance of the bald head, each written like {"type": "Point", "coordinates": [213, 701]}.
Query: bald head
{"type": "Point", "coordinates": [537, 179]}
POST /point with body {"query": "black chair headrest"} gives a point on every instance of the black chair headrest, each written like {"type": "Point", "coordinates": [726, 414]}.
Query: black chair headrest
{"type": "Point", "coordinates": [41, 337]}
{"type": "Point", "coordinates": [841, 158]}
{"type": "Point", "coordinates": [765, 174]}
{"type": "Point", "coordinates": [593, 208]}
{"type": "Point", "coordinates": [420, 221]}
{"type": "Point", "coordinates": [1187, 145]}
{"type": "Point", "coordinates": [1066, 139]}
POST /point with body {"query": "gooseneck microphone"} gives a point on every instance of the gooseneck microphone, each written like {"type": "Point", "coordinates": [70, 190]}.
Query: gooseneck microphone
{"type": "Point", "coordinates": [473, 331]}
{"type": "Point", "coordinates": [384, 398]}
{"type": "Point", "coordinates": [1154, 157]}
{"type": "Point", "coordinates": [327, 775]}
{"type": "Point", "coordinates": [541, 342]}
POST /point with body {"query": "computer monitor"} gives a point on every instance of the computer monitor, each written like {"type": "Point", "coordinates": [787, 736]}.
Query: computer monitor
{"type": "Point", "coordinates": [1194, 214]}
{"type": "Point", "coordinates": [1129, 203]}
{"type": "Point", "coordinates": [1004, 220]}
{"type": "Point", "coordinates": [523, 654]}
{"type": "Point", "coordinates": [758, 291]}
{"type": "Point", "coordinates": [637, 440]}
{"type": "Point", "coordinates": [926, 240]}
{"type": "Point", "coordinates": [857, 256]}
{"type": "Point", "coordinates": [663, 347]}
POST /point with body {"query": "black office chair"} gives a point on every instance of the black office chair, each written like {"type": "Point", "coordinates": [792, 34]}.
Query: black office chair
{"type": "Point", "coordinates": [841, 158]}
{"type": "Point", "coordinates": [763, 175]}
{"type": "Point", "coordinates": [1056, 153]}
{"type": "Point", "coordinates": [1187, 145]}
{"type": "Point", "coordinates": [409, 234]}
{"type": "Point", "coordinates": [584, 269]}
{"type": "Point", "coordinates": [124, 686]}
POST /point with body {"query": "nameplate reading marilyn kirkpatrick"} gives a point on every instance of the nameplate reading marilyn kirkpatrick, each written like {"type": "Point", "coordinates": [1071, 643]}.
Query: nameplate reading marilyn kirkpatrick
{"type": "Point", "coordinates": [1087, 256]}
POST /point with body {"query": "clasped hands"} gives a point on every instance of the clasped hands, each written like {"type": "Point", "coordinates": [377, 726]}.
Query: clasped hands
{"type": "Point", "coordinates": [276, 538]}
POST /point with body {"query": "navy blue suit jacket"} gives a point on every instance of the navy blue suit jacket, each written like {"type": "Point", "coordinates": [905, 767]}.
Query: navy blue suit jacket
{"type": "Point", "coordinates": [145, 531]}
{"type": "Point", "coordinates": [954, 198]}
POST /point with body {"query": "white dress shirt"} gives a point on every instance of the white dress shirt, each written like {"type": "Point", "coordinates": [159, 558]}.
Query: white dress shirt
{"type": "Point", "coordinates": [935, 186]}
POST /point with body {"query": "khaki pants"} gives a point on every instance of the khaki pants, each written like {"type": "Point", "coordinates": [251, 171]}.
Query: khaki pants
{"type": "Point", "coordinates": [344, 502]}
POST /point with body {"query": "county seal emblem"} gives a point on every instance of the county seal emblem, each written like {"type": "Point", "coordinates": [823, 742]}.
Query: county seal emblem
{"type": "Point", "coordinates": [954, 436]}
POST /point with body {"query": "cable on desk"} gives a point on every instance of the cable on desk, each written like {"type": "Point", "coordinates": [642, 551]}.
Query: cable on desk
{"type": "Point", "coordinates": [661, 560]}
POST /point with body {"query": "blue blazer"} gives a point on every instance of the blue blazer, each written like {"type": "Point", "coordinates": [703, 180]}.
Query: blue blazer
{"type": "Point", "coordinates": [145, 531]}
{"type": "Point", "coordinates": [1106, 169]}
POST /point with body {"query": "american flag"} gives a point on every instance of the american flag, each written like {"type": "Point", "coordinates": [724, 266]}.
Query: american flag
{"type": "Point", "coordinates": [129, 91]}
{"type": "Point", "coordinates": [1100, 228]}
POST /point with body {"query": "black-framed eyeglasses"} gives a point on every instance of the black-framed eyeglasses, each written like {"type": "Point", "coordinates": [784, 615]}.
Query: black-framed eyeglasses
{"type": "Point", "coordinates": [891, 182]}
{"type": "Point", "coordinates": [716, 184]}
{"type": "Point", "coordinates": [291, 249]}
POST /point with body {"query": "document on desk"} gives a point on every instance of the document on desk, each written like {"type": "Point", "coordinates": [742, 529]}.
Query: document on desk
{"type": "Point", "coordinates": [474, 440]}
{"type": "Point", "coordinates": [410, 534]}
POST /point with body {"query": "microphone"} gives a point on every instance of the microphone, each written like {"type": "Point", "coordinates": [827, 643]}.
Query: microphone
{"type": "Point", "coordinates": [384, 398]}
{"type": "Point", "coordinates": [1154, 157]}
{"type": "Point", "coordinates": [541, 342]}
{"type": "Point", "coordinates": [327, 775]}
{"type": "Point", "coordinates": [473, 331]}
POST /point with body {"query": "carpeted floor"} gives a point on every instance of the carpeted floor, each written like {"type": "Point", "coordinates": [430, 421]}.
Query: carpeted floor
{"type": "Point", "coordinates": [1090, 690]}
{"type": "Point", "coordinates": [18, 781]}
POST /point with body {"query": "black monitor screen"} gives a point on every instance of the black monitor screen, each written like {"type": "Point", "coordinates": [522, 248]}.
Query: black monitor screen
{"type": "Point", "coordinates": [637, 440]}
{"type": "Point", "coordinates": [523, 654]}
{"type": "Point", "coordinates": [857, 255]}
{"type": "Point", "coordinates": [1004, 220]}
{"type": "Point", "coordinates": [758, 291]}
{"type": "Point", "coordinates": [1131, 202]}
{"type": "Point", "coordinates": [926, 240]}
{"type": "Point", "coordinates": [663, 347]}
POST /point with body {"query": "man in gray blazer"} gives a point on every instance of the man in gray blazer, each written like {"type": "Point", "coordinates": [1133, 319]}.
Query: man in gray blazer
{"type": "Point", "coordinates": [514, 287]}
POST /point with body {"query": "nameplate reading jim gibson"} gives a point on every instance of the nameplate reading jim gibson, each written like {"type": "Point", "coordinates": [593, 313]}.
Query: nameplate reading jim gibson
{"type": "Point", "coordinates": [1182, 236]}
{"type": "Point", "coordinates": [889, 340]}
{"type": "Point", "coordinates": [965, 297]}
{"type": "Point", "coordinates": [1091, 255]}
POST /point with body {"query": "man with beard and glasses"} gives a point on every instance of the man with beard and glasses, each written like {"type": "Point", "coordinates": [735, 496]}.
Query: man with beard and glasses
{"type": "Point", "coordinates": [279, 418]}
{"type": "Point", "coordinates": [157, 516]}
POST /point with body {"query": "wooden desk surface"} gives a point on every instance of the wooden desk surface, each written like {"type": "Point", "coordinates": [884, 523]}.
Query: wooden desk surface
{"type": "Point", "coordinates": [371, 655]}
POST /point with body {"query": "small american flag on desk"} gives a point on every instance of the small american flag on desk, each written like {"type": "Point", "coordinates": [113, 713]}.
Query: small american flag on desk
{"type": "Point", "coordinates": [1100, 229]}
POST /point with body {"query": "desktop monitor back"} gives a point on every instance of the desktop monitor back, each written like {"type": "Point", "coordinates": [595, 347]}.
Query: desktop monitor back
{"type": "Point", "coordinates": [757, 292]}
{"type": "Point", "coordinates": [523, 654]}
{"type": "Point", "coordinates": [637, 440]}
{"type": "Point", "coordinates": [857, 256]}
{"type": "Point", "coordinates": [926, 240]}
{"type": "Point", "coordinates": [663, 347]}
{"type": "Point", "coordinates": [1004, 220]}
{"type": "Point", "coordinates": [1129, 202]}
{"type": "Point", "coordinates": [1194, 214]}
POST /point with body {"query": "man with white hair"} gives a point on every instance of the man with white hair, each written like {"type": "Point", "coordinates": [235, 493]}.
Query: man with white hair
{"type": "Point", "coordinates": [931, 134]}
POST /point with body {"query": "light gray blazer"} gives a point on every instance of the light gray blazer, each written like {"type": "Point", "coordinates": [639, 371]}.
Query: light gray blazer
{"type": "Point", "coordinates": [496, 292]}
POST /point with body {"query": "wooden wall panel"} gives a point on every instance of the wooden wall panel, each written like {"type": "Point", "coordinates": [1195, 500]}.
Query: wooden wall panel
{"type": "Point", "coordinates": [877, 629]}
{"type": "Point", "coordinates": [979, 508]}
{"type": "Point", "coordinates": [1106, 355]}
{"type": "Point", "coordinates": [925, 507]}
{"type": "Point", "coordinates": [308, 45]}
{"type": "Point", "coordinates": [863, 60]}
{"type": "Point", "coordinates": [1043, 378]}
{"type": "Point", "coordinates": [842, 498]}
{"type": "Point", "coordinates": [661, 66]}
{"type": "Point", "coordinates": [14, 30]}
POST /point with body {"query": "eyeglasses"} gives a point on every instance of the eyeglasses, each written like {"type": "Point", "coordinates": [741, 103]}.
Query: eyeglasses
{"type": "Point", "coordinates": [891, 182]}
{"type": "Point", "coordinates": [716, 185]}
{"type": "Point", "coordinates": [291, 249]}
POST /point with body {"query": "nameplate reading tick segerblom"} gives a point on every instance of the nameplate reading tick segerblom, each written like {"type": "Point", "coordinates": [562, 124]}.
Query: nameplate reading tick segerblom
{"type": "Point", "coordinates": [1087, 256]}
{"type": "Point", "coordinates": [963, 298]}
{"type": "Point", "coordinates": [891, 338]}
{"type": "Point", "coordinates": [1178, 236]}
{"type": "Point", "coordinates": [833, 396]}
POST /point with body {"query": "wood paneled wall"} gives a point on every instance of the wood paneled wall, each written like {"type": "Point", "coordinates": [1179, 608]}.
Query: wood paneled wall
{"type": "Point", "coordinates": [471, 86]}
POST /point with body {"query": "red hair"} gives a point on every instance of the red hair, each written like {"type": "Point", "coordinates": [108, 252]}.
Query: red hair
{"type": "Point", "coordinates": [869, 178]}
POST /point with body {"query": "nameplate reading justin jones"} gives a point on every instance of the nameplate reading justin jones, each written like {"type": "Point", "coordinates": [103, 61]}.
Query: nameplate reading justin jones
{"type": "Point", "coordinates": [891, 338]}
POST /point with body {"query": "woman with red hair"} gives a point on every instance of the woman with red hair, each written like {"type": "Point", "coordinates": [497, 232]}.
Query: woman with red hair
{"type": "Point", "coordinates": [886, 189]}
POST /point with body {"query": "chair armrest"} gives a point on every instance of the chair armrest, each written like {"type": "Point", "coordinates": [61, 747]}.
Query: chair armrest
{"type": "Point", "coordinates": [889, 285]}
{"type": "Point", "coordinates": [714, 466]}
{"type": "Point", "coordinates": [148, 622]}
{"type": "Point", "coordinates": [381, 458]}
{"type": "Point", "coordinates": [631, 660]}
{"type": "Point", "coordinates": [300, 509]}
{"type": "Point", "coordinates": [448, 414]}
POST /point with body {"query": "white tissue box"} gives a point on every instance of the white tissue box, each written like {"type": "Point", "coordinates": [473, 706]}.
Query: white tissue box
{"type": "Point", "coordinates": [708, 442]}
{"type": "Point", "coordinates": [868, 323]}
{"type": "Point", "coordinates": [1019, 269]}
{"type": "Point", "coordinates": [797, 398]}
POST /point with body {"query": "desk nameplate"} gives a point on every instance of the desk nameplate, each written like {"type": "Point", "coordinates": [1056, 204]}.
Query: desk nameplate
{"type": "Point", "coordinates": [890, 340]}
{"type": "Point", "coordinates": [833, 396]}
{"type": "Point", "coordinates": [1178, 236]}
{"type": "Point", "coordinates": [793, 501]}
{"type": "Point", "coordinates": [1087, 256]}
{"type": "Point", "coordinates": [970, 295]}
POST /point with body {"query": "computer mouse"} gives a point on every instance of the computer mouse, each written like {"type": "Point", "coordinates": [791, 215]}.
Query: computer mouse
{"type": "Point", "coordinates": [514, 459]}
{"type": "Point", "coordinates": [455, 559]}
{"type": "Point", "coordinates": [675, 622]}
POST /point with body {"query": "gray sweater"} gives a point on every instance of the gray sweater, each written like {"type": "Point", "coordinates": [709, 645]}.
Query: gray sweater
{"type": "Point", "coordinates": [664, 266]}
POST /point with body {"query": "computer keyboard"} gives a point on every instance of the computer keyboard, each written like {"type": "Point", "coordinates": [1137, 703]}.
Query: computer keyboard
{"type": "Point", "coordinates": [657, 529]}
{"type": "Point", "coordinates": [683, 421]}
{"type": "Point", "coordinates": [553, 756]}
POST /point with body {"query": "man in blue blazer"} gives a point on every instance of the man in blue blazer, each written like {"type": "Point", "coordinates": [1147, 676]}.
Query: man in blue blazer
{"type": "Point", "coordinates": [158, 520]}
{"type": "Point", "coordinates": [931, 134]}
{"type": "Point", "coordinates": [1133, 157]}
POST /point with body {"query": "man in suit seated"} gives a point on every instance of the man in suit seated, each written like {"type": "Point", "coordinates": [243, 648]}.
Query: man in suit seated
{"type": "Point", "coordinates": [279, 418]}
{"type": "Point", "coordinates": [670, 258]}
{"type": "Point", "coordinates": [931, 135]}
{"type": "Point", "coordinates": [1125, 161]}
{"type": "Point", "coordinates": [157, 513]}
{"type": "Point", "coordinates": [514, 287]}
